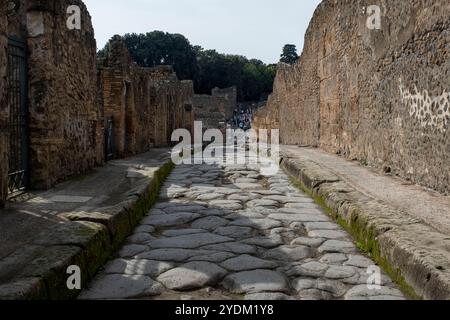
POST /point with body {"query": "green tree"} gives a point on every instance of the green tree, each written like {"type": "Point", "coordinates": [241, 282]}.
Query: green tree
{"type": "Point", "coordinates": [289, 54]}
{"type": "Point", "coordinates": [159, 48]}
{"type": "Point", "coordinates": [207, 68]}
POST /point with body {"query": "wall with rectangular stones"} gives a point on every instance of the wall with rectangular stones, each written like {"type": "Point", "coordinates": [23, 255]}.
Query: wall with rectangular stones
{"type": "Point", "coordinates": [65, 120]}
{"type": "Point", "coordinates": [211, 111]}
{"type": "Point", "coordinates": [379, 96]}
{"type": "Point", "coordinates": [231, 95]}
{"type": "Point", "coordinates": [147, 104]}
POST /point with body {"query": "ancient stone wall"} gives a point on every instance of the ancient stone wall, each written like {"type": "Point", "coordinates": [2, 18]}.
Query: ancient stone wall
{"type": "Point", "coordinates": [211, 111]}
{"type": "Point", "coordinates": [147, 104]}
{"type": "Point", "coordinates": [215, 109]}
{"type": "Point", "coordinates": [231, 95]}
{"type": "Point", "coordinates": [65, 120]}
{"type": "Point", "coordinates": [378, 96]}
{"type": "Point", "coordinates": [3, 104]}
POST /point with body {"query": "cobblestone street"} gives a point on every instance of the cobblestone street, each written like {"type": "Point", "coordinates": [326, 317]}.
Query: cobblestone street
{"type": "Point", "coordinates": [227, 232]}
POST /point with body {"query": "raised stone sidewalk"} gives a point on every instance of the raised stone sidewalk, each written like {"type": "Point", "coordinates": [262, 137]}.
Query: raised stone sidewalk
{"type": "Point", "coordinates": [404, 228]}
{"type": "Point", "coordinates": [80, 222]}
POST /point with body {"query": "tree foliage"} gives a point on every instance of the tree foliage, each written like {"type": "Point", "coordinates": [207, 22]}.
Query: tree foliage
{"type": "Point", "coordinates": [289, 54]}
{"type": "Point", "coordinates": [207, 68]}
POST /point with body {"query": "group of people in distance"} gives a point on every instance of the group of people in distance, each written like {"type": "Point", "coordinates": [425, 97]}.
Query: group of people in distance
{"type": "Point", "coordinates": [242, 119]}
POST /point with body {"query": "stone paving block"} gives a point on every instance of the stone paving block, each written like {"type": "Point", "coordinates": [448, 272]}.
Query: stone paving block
{"type": "Point", "coordinates": [247, 262]}
{"type": "Point", "coordinates": [117, 286]}
{"type": "Point", "coordinates": [256, 281]}
{"type": "Point", "coordinates": [192, 275]}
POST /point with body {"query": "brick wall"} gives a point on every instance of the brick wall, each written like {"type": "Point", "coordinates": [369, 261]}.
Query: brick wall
{"type": "Point", "coordinates": [215, 109]}
{"type": "Point", "coordinates": [231, 95]}
{"type": "Point", "coordinates": [147, 104]}
{"type": "Point", "coordinates": [377, 96]}
{"type": "Point", "coordinates": [65, 122]}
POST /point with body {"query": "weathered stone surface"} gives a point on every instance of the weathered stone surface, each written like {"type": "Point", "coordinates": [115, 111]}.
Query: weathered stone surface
{"type": "Point", "coordinates": [214, 109]}
{"type": "Point", "coordinates": [288, 253]}
{"type": "Point", "coordinates": [310, 242]}
{"type": "Point", "coordinates": [115, 286]}
{"type": "Point", "coordinates": [276, 296]}
{"type": "Point", "coordinates": [247, 262]}
{"type": "Point", "coordinates": [234, 247]}
{"type": "Point", "coordinates": [336, 288]}
{"type": "Point", "coordinates": [256, 281]}
{"type": "Point", "coordinates": [340, 272]}
{"type": "Point", "coordinates": [188, 241]}
{"type": "Point", "coordinates": [337, 246]}
{"type": "Point", "coordinates": [210, 196]}
{"type": "Point", "coordinates": [176, 255]}
{"type": "Point", "coordinates": [333, 258]}
{"type": "Point", "coordinates": [249, 186]}
{"type": "Point", "coordinates": [144, 229]}
{"type": "Point", "coordinates": [192, 275]}
{"type": "Point", "coordinates": [182, 232]}
{"type": "Point", "coordinates": [210, 223]}
{"type": "Point", "coordinates": [262, 203]}
{"type": "Point", "coordinates": [252, 253]}
{"type": "Point", "coordinates": [329, 234]}
{"type": "Point", "coordinates": [310, 226]}
{"type": "Point", "coordinates": [363, 292]}
{"type": "Point", "coordinates": [132, 250]}
{"type": "Point", "coordinates": [299, 217]}
{"type": "Point", "coordinates": [312, 105]}
{"type": "Point", "coordinates": [314, 294]}
{"type": "Point", "coordinates": [358, 261]}
{"type": "Point", "coordinates": [138, 267]}
{"type": "Point", "coordinates": [301, 284]}
{"type": "Point", "coordinates": [268, 242]}
{"type": "Point", "coordinates": [168, 220]}
{"type": "Point", "coordinates": [235, 232]}
{"type": "Point", "coordinates": [262, 224]}
{"type": "Point", "coordinates": [184, 208]}
{"type": "Point", "coordinates": [243, 197]}
{"type": "Point", "coordinates": [140, 238]}
{"type": "Point", "coordinates": [309, 269]}
{"type": "Point", "coordinates": [81, 233]}
{"type": "Point", "coordinates": [226, 204]}
{"type": "Point", "coordinates": [23, 289]}
{"type": "Point", "coordinates": [215, 257]}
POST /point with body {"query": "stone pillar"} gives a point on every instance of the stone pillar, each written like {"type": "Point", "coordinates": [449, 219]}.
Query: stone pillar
{"type": "Point", "coordinates": [3, 106]}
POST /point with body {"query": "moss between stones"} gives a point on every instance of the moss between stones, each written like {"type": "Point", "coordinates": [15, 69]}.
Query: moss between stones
{"type": "Point", "coordinates": [135, 215]}
{"type": "Point", "coordinates": [365, 238]}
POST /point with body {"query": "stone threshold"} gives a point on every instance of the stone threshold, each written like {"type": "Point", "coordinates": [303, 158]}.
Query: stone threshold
{"type": "Point", "coordinates": [414, 254]}
{"type": "Point", "coordinates": [38, 271]}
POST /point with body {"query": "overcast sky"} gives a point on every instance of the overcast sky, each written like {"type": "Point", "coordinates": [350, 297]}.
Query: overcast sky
{"type": "Point", "coordinates": [254, 28]}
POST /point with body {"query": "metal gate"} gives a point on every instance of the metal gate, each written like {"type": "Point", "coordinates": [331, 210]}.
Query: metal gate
{"type": "Point", "coordinates": [17, 83]}
{"type": "Point", "coordinates": [109, 138]}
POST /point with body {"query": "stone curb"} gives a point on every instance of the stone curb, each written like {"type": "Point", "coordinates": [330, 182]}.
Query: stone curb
{"type": "Point", "coordinates": [411, 252]}
{"type": "Point", "coordinates": [39, 272]}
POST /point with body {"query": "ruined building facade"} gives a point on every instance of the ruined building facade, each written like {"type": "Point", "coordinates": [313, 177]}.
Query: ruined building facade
{"type": "Point", "coordinates": [61, 114]}
{"type": "Point", "coordinates": [146, 104]}
{"type": "Point", "coordinates": [216, 109]}
{"type": "Point", "coordinates": [380, 96]}
{"type": "Point", "coordinates": [51, 122]}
